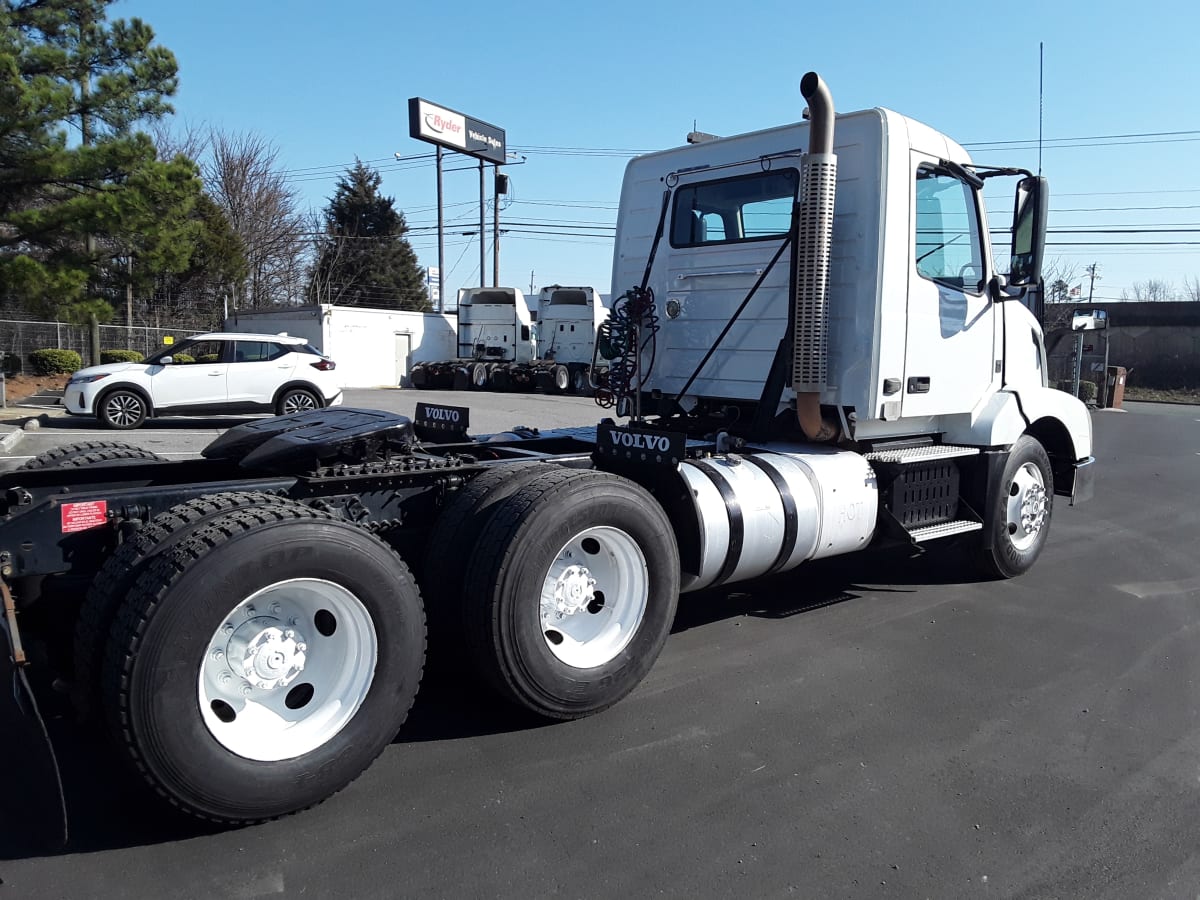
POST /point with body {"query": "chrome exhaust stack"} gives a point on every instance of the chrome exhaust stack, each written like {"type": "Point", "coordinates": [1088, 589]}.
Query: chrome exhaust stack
{"type": "Point", "coordinates": [813, 247]}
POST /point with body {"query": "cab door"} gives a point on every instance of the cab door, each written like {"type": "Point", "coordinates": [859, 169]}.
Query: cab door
{"type": "Point", "coordinates": [950, 355]}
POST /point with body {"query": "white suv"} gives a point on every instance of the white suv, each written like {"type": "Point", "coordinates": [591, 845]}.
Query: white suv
{"type": "Point", "coordinates": [207, 374]}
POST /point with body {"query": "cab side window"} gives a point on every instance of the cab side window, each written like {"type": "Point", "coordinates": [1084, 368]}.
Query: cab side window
{"type": "Point", "coordinates": [732, 210]}
{"type": "Point", "coordinates": [949, 245]}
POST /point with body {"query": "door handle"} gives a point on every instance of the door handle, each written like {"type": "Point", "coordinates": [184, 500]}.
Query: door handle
{"type": "Point", "coordinates": [213, 374]}
{"type": "Point", "coordinates": [685, 275]}
{"type": "Point", "coordinates": [918, 384]}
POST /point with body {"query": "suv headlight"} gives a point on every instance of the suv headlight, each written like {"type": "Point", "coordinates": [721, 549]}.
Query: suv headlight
{"type": "Point", "coordinates": [86, 379]}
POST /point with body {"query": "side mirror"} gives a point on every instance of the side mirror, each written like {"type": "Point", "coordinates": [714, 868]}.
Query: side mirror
{"type": "Point", "coordinates": [1089, 320]}
{"type": "Point", "coordinates": [1028, 231]}
{"type": "Point", "coordinates": [166, 360]}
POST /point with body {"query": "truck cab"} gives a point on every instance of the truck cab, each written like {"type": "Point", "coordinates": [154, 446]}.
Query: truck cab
{"type": "Point", "coordinates": [494, 325]}
{"type": "Point", "coordinates": [567, 321]}
{"type": "Point", "coordinates": [921, 332]}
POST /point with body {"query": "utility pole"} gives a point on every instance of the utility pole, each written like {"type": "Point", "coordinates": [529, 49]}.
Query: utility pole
{"type": "Point", "coordinates": [1092, 270]}
{"type": "Point", "coordinates": [482, 229]}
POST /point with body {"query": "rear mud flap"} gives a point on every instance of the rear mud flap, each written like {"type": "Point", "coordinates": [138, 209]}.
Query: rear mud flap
{"type": "Point", "coordinates": [33, 807]}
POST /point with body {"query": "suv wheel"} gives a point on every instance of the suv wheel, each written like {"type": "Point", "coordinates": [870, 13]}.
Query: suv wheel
{"type": "Point", "coordinates": [297, 400]}
{"type": "Point", "coordinates": [122, 409]}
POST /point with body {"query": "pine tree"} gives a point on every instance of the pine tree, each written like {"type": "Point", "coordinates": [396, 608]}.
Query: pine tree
{"type": "Point", "coordinates": [363, 257]}
{"type": "Point", "coordinates": [80, 190]}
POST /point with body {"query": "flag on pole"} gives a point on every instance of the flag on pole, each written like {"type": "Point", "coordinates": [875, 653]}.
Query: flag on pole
{"type": "Point", "coordinates": [1076, 291]}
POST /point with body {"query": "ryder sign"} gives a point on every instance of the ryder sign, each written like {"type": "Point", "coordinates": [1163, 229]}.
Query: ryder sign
{"type": "Point", "coordinates": [438, 125]}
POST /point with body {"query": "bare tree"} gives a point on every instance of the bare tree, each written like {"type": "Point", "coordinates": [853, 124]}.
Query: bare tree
{"type": "Point", "coordinates": [241, 173]}
{"type": "Point", "coordinates": [1061, 277]}
{"type": "Point", "coordinates": [1191, 288]}
{"type": "Point", "coordinates": [1153, 289]}
{"type": "Point", "coordinates": [333, 250]}
{"type": "Point", "coordinates": [187, 140]}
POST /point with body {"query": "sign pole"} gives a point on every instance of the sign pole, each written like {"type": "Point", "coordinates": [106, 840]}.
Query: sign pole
{"type": "Point", "coordinates": [482, 228]}
{"type": "Point", "coordinates": [496, 228]}
{"type": "Point", "coordinates": [441, 237]}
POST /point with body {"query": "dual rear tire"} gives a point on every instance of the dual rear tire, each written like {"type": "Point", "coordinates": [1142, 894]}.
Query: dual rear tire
{"type": "Point", "coordinates": [260, 659]}
{"type": "Point", "coordinates": [570, 591]}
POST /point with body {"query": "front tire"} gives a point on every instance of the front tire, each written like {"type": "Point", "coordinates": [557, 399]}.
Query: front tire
{"type": "Point", "coordinates": [261, 664]}
{"type": "Point", "coordinates": [1017, 523]}
{"type": "Point", "coordinates": [571, 592]}
{"type": "Point", "coordinates": [122, 410]}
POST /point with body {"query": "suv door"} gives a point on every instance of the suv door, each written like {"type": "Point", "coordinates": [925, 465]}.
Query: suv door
{"type": "Point", "coordinates": [257, 371]}
{"type": "Point", "coordinates": [196, 376]}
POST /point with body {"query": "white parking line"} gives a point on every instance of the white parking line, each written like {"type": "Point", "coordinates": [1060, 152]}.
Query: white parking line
{"type": "Point", "coordinates": [118, 435]}
{"type": "Point", "coordinates": [159, 452]}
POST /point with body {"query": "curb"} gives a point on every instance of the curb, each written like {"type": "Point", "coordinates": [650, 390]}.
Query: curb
{"type": "Point", "coordinates": [10, 437]}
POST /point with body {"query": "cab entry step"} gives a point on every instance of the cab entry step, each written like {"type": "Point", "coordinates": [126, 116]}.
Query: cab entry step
{"type": "Point", "coordinates": [920, 454]}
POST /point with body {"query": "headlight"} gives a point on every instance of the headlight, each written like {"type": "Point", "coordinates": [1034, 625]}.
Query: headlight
{"type": "Point", "coordinates": [86, 379]}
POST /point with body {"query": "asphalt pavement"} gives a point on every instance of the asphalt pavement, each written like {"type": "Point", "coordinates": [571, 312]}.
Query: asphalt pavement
{"type": "Point", "coordinates": [867, 726]}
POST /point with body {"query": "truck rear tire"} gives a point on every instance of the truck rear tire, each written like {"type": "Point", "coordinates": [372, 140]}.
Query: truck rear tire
{"type": "Point", "coordinates": [454, 535]}
{"type": "Point", "coordinates": [123, 568]}
{"type": "Point", "coordinates": [53, 459]}
{"type": "Point", "coordinates": [1018, 517]}
{"type": "Point", "coordinates": [481, 377]}
{"type": "Point", "coordinates": [579, 381]}
{"type": "Point", "coordinates": [261, 664]}
{"type": "Point", "coordinates": [560, 379]}
{"type": "Point", "coordinates": [571, 592]}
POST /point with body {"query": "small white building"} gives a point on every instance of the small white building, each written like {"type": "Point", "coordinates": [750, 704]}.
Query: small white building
{"type": "Point", "coordinates": [372, 347]}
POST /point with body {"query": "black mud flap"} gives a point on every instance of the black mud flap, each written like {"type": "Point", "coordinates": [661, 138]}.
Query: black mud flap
{"type": "Point", "coordinates": [33, 807]}
{"type": "Point", "coordinates": [437, 424]}
{"type": "Point", "coordinates": [633, 445]}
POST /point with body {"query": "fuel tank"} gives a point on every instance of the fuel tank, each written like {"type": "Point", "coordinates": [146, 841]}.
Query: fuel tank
{"type": "Point", "coordinates": [766, 511]}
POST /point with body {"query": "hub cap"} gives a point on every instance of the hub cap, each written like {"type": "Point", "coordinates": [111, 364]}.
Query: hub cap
{"type": "Point", "coordinates": [1027, 504]}
{"type": "Point", "coordinates": [123, 409]}
{"type": "Point", "coordinates": [287, 669]}
{"type": "Point", "coordinates": [594, 597]}
{"type": "Point", "coordinates": [298, 402]}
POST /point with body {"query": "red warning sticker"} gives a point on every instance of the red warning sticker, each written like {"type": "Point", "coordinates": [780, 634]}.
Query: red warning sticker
{"type": "Point", "coordinates": [82, 516]}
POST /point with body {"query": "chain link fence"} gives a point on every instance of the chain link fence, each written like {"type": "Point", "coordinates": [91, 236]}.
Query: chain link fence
{"type": "Point", "coordinates": [19, 338]}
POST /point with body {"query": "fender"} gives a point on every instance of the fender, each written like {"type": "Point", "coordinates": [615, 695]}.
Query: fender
{"type": "Point", "coordinates": [1008, 414]}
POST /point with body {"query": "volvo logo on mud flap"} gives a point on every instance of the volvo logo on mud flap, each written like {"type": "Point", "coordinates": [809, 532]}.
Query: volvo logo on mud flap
{"type": "Point", "coordinates": [441, 423]}
{"type": "Point", "coordinates": [636, 445]}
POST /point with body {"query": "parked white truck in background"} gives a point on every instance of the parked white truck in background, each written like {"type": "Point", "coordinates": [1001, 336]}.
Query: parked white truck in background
{"type": "Point", "coordinates": [567, 322]}
{"type": "Point", "coordinates": [816, 354]}
{"type": "Point", "coordinates": [494, 328]}
{"type": "Point", "coordinates": [497, 349]}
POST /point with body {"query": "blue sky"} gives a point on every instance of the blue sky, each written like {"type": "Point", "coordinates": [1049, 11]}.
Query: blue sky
{"type": "Point", "coordinates": [328, 82]}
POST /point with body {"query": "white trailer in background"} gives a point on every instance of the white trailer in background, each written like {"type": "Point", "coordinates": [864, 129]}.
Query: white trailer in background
{"type": "Point", "coordinates": [372, 347]}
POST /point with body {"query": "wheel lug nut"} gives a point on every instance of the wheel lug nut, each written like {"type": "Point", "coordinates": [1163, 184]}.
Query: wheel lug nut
{"type": "Point", "coordinates": [302, 647]}
{"type": "Point", "coordinates": [218, 653]}
{"type": "Point", "coordinates": [293, 621]}
{"type": "Point", "coordinates": [246, 689]}
{"type": "Point", "coordinates": [226, 678]}
{"type": "Point", "coordinates": [250, 612]}
{"type": "Point", "coordinates": [289, 634]}
{"type": "Point", "coordinates": [227, 628]}
{"type": "Point", "coordinates": [275, 608]}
